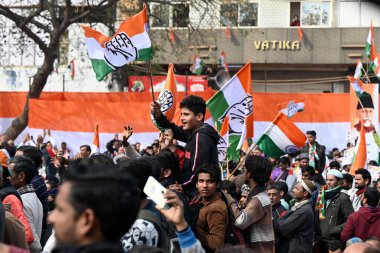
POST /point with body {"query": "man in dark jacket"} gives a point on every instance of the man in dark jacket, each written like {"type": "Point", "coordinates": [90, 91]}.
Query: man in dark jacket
{"type": "Point", "coordinates": [365, 222]}
{"type": "Point", "coordinates": [315, 151]}
{"type": "Point", "coordinates": [296, 228]}
{"type": "Point", "coordinates": [334, 207]}
{"type": "Point", "coordinates": [201, 138]}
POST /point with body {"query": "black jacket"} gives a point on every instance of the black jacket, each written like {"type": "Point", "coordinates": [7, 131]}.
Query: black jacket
{"type": "Point", "coordinates": [201, 146]}
{"type": "Point", "coordinates": [99, 247]}
{"type": "Point", "coordinates": [337, 212]}
{"type": "Point", "coordinates": [296, 230]}
{"type": "Point", "coordinates": [321, 152]}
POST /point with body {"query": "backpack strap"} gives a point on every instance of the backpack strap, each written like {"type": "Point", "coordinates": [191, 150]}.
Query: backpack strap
{"type": "Point", "coordinates": [149, 216]}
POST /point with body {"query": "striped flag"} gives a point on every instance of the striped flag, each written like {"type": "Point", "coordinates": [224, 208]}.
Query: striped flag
{"type": "Point", "coordinates": [95, 148]}
{"type": "Point", "coordinates": [130, 42]}
{"type": "Point", "coordinates": [292, 107]}
{"type": "Point", "coordinates": [72, 68]}
{"type": "Point", "coordinates": [197, 66]}
{"type": "Point", "coordinates": [281, 137]}
{"type": "Point", "coordinates": [360, 158]}
{"type": "Point", "coordinates": [374, 60]}
{"type": "Point", "coordinates": [367, 48]}
{"type": "Point", "coordinates": [358, 70]}
{"type": "Point", "coordinates": [357, 85]}
{"type": "Point", "coordinates": [223, 141]}
{"type": "Point", "coordinates": [234, 99]}
{"type": "Point", "coordinates": [223, 61]}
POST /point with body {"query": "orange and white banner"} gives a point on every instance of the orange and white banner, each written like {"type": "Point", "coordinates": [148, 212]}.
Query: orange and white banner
{"type": "Point", "coordinates": [71, 116]}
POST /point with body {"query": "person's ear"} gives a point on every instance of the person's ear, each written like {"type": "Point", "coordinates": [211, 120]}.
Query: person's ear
{"type": "Point", "coordinates": [21, 177]}
{"type": "Point", "coordinates": [86, 223]}
{"type": "Point", "coordinates": [199, 117]}
{"type": "Point", "coordinates": [366, 181]}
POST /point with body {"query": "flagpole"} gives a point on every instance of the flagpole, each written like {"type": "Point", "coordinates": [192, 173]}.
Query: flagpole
{"type": "Point", "coordinates": [227, 168]}
{"type": "Point", "coordinates": [151, 79]}
{"type": "Point", "coordinates": [221, 170]}
{"type": "Point", "coordinates": [241, 161]}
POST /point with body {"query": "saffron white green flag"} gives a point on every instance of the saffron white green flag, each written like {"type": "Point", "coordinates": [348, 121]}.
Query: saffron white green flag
{"type": "Point", "coordinates": [234, 100]}
{"type": "Point", "coordinates": [197, 66]}
{"type": "Point", "coordinates": [281, 137]}
{"type": "Point", "coordinates": [223, 61]}
{"type": "Point", "coordinates": [223, 141]}
{"type": "Point", "coordinates": [130, 42]}
{"type": "Point", "coordinates": [358, 70]}
{"type": "Point", "coordinates": [367, 48]}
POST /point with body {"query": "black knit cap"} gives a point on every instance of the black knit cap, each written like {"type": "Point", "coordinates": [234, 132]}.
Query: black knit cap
{"type": "Point", "coordinates": [366, 100]}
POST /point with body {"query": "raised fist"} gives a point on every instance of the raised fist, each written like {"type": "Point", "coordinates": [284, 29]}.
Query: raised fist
{"type": "Point", "coordinates": [120, 51]}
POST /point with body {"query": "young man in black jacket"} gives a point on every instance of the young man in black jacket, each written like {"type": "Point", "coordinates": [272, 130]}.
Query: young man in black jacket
{"type": "Point", "coordinates": [201, 139]}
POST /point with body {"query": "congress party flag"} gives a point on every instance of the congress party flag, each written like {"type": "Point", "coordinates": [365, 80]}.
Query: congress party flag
{"type": "Point", "coordinates": [130, 43]}
{"type": "Point", "coordinates": [292, 107]}
{"type": "Point", "coordinates": [360, 158]}
{"type": "Point", "coordinates": [223, 61]}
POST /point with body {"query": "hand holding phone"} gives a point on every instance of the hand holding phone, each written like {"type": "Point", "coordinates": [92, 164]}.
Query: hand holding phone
{"type": "Point", "coordinates": [155, 191]}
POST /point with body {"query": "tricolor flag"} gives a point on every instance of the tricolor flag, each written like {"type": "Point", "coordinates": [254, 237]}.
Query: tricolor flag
{"type": "Point", "coordinates": [130, 42]}
{"type": "Point", "coordinates": [234, 100]}
{"type": "Point", "coordinates": [360, 158]}
{"type": "Point", "coordinates": [358, 70]}
{"type": "Point", "coordinates": [357, 85]}
{"type": "Point", "coordinates": [197, 66]}
{"type": "Point", "coordinates": [367, 48]}
{"type": "Point", "coordinates": [95, 147]}
{"type": "Point", "coordinates": [292, 107]}
{"type": "Point", "coordinates": [374, 60]}
{"type": "Point", "coordinates": [281, 137]}
{"type": "Point", "coordinates": [223, 141]}
{"type": "Point", "coordinates": [168, 96]}
{"type": "Point", "coordinates": [223, 61]}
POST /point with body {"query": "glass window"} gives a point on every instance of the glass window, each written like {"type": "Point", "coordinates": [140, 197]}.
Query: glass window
{"type": "Point", "coordinates": [160, 15]}
{"type": "Point", "coordinates": [180, 15]}
{"type": "Point", "coordinates": [228, 15]}
{"type": "Point", "coordinates": [315, 13]}
{"type": "Point", "coordinates": [248, 14]}
{"type": "Point", "coordinates": [238, 14]}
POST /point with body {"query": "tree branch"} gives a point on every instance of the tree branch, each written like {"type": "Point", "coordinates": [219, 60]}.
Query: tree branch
{"type": "Point", "coordinates": [33, 14]}
{"type": "Point", "coordinates": [101, 6]}
{"type": "Point", "coordinates": [15, 18]}
{"type": "Point", "coordinates": [4, 10]}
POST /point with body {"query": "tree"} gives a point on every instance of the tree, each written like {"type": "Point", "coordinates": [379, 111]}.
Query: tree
{"type": "Point", "coordinates": [45, 23]}
{"type": "Point", "coordinates": [51, 17]}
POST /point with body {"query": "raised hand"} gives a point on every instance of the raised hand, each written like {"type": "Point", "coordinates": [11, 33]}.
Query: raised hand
{"type": "Point", "coordinates": [128, 131]}
{"type": "Point", "coordinates": [175, 213]}
{"type": "Point", "coordinates": [155, 110]}
{"type": "Point", "coordinates": [120, 51]}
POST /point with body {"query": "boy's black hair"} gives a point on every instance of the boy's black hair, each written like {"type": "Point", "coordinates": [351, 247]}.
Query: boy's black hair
{"type": "Point", "coordinates": [195, 104]}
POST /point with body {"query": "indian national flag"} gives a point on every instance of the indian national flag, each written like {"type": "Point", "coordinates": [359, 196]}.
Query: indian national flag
{"type": "Point", "coordinates": [197, 66]}
{"type": "Point", "coordinates": [358, 70]}
{"type": "Point", "coordinates": [130, 42]}
{"type": "Point", "coordinates": [223, 142]}
{"type": "Point", "coordinates": [281, 137]}
{"type": "Point", "coordinates": [360, 158]}
{"type": "Point", "coordinates": [234, 100]}
{"type": "Point", "coordinates": [357, 85]}
{"type": "Point", "coordinates": [95, 148]}
{"type": "Point", "coordinates": [292, 107]}
{"type": "Point", "coordinates": [168, 96]}
{"type": "Point", "coordinates": [367, 48]}
{"type": "Point", "coordinates": [374, 61]}
{"type": "Point", "coordinates": [223, 61]}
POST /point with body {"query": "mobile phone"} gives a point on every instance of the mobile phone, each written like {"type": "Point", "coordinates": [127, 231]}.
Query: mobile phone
{"type": "Point", "coordinates": [155, 191]}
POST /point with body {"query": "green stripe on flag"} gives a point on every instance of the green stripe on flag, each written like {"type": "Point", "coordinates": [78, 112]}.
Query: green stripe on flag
{"type": "Point", "coordinates": [145, 54]}
{"type": "Point", "coordinates": [217, 105]}
{"type": "Point", "coordinates": [232, 153]}
{"type": "Point", "coordinates": [268, 147]}
{"type": "Point", "coordinates": [101, 68]}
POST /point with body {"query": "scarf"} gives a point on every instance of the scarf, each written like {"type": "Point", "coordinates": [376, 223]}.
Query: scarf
{"type": "Point", "coordinates": [323, 196]}
{"type": "Point", "coordinates": [312, 155]}
{"type": "Point", "coordinates": [360, 192]}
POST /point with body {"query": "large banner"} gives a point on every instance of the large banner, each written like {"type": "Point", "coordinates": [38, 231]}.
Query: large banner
{"type": "Point", "coordinates": [142, 83]}
{"type": "Point", "coordinates": [367, 109]}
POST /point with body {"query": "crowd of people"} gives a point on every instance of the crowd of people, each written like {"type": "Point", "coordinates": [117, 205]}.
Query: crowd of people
{"type": "Point", "coordinates": [56, 201]}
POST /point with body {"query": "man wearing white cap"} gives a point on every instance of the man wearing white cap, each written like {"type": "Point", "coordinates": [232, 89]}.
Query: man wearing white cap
{"type": "Point", "coordinates": [296, 228]}
{"type": "Point", "coordinates": [334, 207]}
